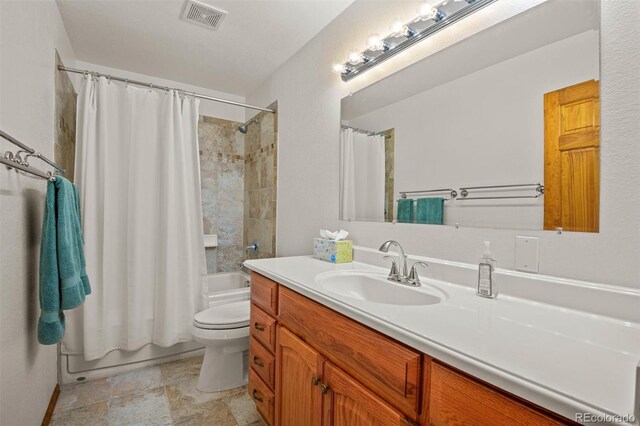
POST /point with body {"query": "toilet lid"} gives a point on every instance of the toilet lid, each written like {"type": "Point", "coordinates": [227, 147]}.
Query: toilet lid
{"type": "Point", "coordinates": [229, 315]}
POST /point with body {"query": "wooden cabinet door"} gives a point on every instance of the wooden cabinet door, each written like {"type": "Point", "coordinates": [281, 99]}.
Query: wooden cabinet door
{"type": "Point", "coordinates": [572, 158]}
{"type": "Point", "coordinates": [457, 400]}
{"type": "Point", "coordinates": [391, 369]}
{"type": "Point", "coordinates": [298, 373]}
{"type": "Point", "coordinates": [348, 403]}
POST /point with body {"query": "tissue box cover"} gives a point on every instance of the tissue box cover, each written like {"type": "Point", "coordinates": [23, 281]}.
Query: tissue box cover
{"type": "Point", "coordinates": [333, 251]}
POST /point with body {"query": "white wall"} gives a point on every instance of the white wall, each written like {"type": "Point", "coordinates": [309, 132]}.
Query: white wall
{"type": "Point", "coordinates": [309, 96]}
{"type": "Point", "coordinates": [486, 128]}
{"type": "Point", "coordinates": [208, 108]}
{"type": "Point", "coordinates": [29, 33]}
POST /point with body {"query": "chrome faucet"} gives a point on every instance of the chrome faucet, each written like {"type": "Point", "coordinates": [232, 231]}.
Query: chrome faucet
{"type": "Point", "coordinates": [413, 277]}
{"type": "Point", "coordinates": [403, 257]}
{"type": "Point", "coordinates": [395, 275]}
{"type": "Point", "coordinates": [404, 277]}
{"type": "Point", "coordinates": [253, 247]}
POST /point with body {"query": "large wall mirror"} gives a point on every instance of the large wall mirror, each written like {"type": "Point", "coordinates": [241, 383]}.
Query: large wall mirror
{"type": "Point", "coordinates": [500, 130]}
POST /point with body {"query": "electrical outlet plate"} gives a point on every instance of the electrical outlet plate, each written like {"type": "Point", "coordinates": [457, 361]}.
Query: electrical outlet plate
{"type": "Point", "coordinates": [527, 254]}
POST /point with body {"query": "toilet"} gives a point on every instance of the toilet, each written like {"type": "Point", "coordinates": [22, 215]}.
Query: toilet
{"type": "Point", "coordinates": [224, 331]}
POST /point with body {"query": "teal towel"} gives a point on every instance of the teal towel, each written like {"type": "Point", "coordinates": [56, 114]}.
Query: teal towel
{"type": "Point", "coordinates": [63, 279]}
{"type": "Point", "coordinates": [405, 210]}
{"type": "Point", "coordinates": [430, 210]}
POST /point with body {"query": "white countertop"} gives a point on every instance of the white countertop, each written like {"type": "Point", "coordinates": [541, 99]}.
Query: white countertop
{"type": "Point", "coordinates": [565, 360]}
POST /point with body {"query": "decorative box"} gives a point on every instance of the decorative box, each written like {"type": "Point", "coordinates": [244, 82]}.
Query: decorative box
{"type": "Point", "coordinates": [333, 251]}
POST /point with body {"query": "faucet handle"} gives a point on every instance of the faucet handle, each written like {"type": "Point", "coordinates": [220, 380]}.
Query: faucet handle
{"type": "Point", "coordinates": [394, 267]}
{"type": "Point", "coordinates": [413, 277]}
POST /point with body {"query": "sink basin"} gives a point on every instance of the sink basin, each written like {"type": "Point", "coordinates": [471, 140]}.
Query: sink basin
{"type": "Point", "coordinates": [373, 287]}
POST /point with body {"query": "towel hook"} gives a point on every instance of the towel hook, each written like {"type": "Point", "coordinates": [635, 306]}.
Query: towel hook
{"type": "Point", "coordinates": [18, 158]}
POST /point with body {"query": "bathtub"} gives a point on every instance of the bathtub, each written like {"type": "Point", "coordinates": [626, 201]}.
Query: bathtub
{"type": "Point", "coordinates": [218, 288]}
{"type": "Point", "coordinates": [226, 287]}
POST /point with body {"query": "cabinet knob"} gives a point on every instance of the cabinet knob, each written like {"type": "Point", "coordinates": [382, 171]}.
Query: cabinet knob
{"type": "Point", "coordinates": [315, 380]}
{"type": "Point", "coordinates": [258, 327]}
{"type": "Point", "coordinates": [256, 396]}
{"type": "Point", "coordinates": [257, 361]}
{"type": "Point", "coordinates": [324, 388]}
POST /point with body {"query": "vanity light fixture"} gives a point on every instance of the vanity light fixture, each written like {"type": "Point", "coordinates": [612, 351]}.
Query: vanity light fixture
{"type": "Point", "coordinates": [431, 19]}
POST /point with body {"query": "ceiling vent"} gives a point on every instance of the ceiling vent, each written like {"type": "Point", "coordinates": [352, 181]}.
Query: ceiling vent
{"type": "Point", "coordinates": [202, 14]}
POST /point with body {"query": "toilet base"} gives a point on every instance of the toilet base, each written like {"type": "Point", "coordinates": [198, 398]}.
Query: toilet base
{"type": "Point", "coordinates": [223, 368]}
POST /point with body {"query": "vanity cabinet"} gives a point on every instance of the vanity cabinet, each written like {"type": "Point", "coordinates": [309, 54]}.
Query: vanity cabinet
{"type": "Point", "coordinates": [262, 346]}
{"type": "Point", "coordinates": [454, 398]}
{"type": "Point", "coordinates": [298, 373]}
{"type": "Point", "coordinates": [383, 365]}
{"type": "Point", "coordinates": [348, 403]}
{"type": "Point", "coordinates": [333, 371]}
{"type": "Point", "coordinates": [312, 391]}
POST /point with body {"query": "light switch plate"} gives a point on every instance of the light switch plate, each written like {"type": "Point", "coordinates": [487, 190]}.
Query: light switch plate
{"type": "Point", "coordinates": [527, 254]}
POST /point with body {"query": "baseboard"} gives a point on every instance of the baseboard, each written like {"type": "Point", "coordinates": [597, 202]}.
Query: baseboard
{"type": "Point", "coordinates": [52, 406]}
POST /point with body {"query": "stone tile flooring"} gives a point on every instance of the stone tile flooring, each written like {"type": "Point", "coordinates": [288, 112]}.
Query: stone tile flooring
{"type": "Point", "coordinates": [165, 394]}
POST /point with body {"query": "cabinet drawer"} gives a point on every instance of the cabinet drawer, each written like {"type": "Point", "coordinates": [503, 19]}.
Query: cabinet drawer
{"type": "Point", "coordinates": [262, 362]}
{"type": "Point", "coordinates": [263, 327]}
{"type": "Point", "coordinates": [456, 399]}
{"type": "Point", "coordinates": [385, 366]}
{"type": "Point", "coordinates": [264, 293]}
{"type": "Point", "coordinates": [262, 396]}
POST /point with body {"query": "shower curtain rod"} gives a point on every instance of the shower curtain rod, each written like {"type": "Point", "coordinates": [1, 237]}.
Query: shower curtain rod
{"type": "Point", "coordinates": [154, 86]}
{"type": "Point", "coordinates": [363, 131]}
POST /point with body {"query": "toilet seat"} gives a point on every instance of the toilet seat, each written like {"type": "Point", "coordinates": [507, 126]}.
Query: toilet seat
{"type": "Point", "coordinates": [224, 317]}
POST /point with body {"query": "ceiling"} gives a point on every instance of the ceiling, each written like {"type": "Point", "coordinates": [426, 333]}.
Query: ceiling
{"type": "Point", "coordinates": [147, 37]}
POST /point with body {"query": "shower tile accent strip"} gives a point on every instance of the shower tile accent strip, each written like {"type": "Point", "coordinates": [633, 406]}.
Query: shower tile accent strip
{"type": "Point", "coordinates": [161, 395]}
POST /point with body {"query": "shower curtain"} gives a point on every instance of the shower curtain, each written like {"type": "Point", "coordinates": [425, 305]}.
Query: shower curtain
{"type": "Point", "coordinates": [362, 177]}
{"type": "Point", "coordinates": [138, 172]}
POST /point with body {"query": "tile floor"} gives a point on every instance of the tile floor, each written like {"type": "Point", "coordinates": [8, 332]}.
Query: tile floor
{"type": "Point", "coordinates": [165, 394]}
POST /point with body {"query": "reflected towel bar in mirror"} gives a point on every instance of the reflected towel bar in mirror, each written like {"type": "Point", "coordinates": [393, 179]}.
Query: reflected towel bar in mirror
{"type": "Point", "coordinates": [539, 188]}
{"type": "Point", "coordinates": [452, 192]}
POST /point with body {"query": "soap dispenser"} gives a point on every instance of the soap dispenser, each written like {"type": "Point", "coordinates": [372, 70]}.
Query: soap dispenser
{"type": "Point", "coordinates": [486, 280]}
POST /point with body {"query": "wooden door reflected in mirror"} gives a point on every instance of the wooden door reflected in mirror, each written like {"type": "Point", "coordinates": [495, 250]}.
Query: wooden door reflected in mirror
{"type": "Point", "coordinates": [572, 158]}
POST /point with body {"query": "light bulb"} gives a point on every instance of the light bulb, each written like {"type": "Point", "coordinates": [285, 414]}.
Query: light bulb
{"type": "Point", "coordinates": [397, 27]}
{"type": "Point", "coordinates": [436, 14]}
{"type": "Point", "coordinates": [407, 31]}
{"type": "Point", "coordinates": [355, 57]}
{"type": "Point", "coordinates": [374, 42]}
{"type": "Point", "coordinates": [425, 10]}
{"type": "Point", "coordinates": [339, 68]}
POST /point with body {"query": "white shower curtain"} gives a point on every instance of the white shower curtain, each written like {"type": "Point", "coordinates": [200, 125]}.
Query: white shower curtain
{"type": "Point", "coordinates": [138, 172]}
{"type": "Point", "coordinates": [362, 177]}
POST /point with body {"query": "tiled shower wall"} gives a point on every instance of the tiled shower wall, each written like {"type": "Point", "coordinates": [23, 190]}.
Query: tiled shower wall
{"type": "Point", "coordinates": [64, 147]}
{"type": "Point", "coordinates": [260, 184]}
{"type": "Point", "coordinates": [222, 181]}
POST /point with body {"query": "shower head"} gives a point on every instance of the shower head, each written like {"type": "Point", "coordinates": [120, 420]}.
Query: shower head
{"type": "Point", "coordinates": [243, 128]}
